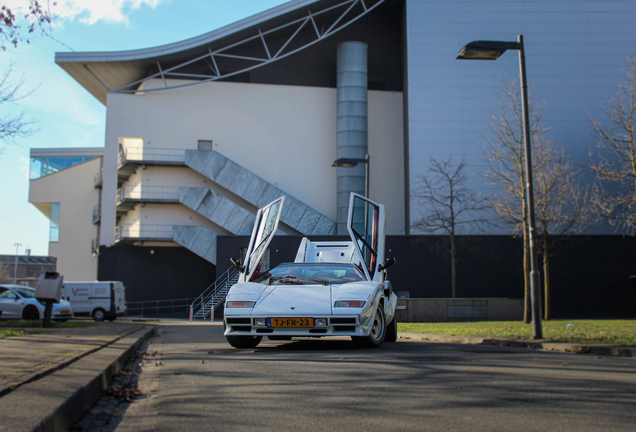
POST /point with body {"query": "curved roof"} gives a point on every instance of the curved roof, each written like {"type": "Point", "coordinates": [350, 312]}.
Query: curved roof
{"type": "Point", "coordinates": [123, 71]}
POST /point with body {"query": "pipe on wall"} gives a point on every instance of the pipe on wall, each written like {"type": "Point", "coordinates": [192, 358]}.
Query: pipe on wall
{"type": "Point", "coordinates": [352, 123]}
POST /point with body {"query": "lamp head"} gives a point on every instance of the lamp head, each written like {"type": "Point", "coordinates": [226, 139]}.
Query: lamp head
{"type": "Point", "coordinates": [485, 50]}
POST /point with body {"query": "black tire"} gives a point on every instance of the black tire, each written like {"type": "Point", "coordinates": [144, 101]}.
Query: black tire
{"type": "Point", "coordinates": [279, 338]}
{"type": "Point", "coordinates": [378, 332]}
{"type": "Point", "coordinates": [244, 341]}
{"type": "Point", "coordinates": [30, 313]}
{"type": "Point", "coordinates": [391, 331]}
{"type": "Point", "coordinates": [99, 314]}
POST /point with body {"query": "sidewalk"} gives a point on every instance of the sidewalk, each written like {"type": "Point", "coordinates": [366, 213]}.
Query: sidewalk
{"type": "Point", "coordinates": [548, 346]}
{"type": "Point", "coordinates": [48, 380]}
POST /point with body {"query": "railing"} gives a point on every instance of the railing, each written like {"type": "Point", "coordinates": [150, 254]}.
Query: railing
{"type": "Point", "coordinates": [97, 213]}
{"type": "Point", "coordinates": [98, 179]}
{"type": "Point", "coordinates": [213, 296]}
{"type": "Point", "coordinates": [144, 231]}
{"type": "Point", "coordinates": [155, 308]}
{"type": "Point", "coordinates": [142, 154]}
{"type": "Point", "coordinates": [95, 245]}
{"type": "Point", "coordinates": [155, 193]}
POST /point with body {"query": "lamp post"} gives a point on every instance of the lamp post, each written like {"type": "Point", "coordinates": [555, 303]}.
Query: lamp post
{"type": "Point", "coordinates": [492, 50]}
{"type": "Point", "coordinates": [352, 163]}
{"type": "Point", "coordinates": [15, 268]}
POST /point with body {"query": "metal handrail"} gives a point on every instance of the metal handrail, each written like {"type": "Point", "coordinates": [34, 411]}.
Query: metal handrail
{"type": "Point", "coordinates": [159, 307]}
{"type": "Point", "coordinates": [97, 213]}
{"type": "Point", "coordinates": [213, 296]}
{"type": "Point", "coordinates": [143, 231]}
{"type": "Point", "coordinates": [140, 154]}
{"type": "Point", "coordinates": [141, 192]}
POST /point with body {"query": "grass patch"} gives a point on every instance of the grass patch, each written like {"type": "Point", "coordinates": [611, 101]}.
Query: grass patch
{"type": "Point", "coordinates": [5, 333]}
{"type": "Point", "coordinates": [590, 332]}
{"type": "Point", "coordinates": [38, 323]}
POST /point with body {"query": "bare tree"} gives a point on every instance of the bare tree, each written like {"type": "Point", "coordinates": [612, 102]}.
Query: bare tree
{"type": "Point", "coordinates": [615, 167]}
{"type": "Point", "coordinates": [17, 26]}
{"type": "Point", "coordinates": [505, 158]}
{"type": "Point", "coordinates": [558, 197]}
{"type": "Point", "coordinates": [13, 126]}
{"type": "Point", "coordinates": [561, 203]}
{"type": "Point", "coordinates": [5, 274]}
{"type": "Point", "coordinates": [451, 207]}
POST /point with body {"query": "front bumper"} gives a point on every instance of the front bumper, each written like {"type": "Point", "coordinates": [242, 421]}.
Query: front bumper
{"type": "Point", "coordinates": [62, 314]}
{"type": "Point", "coordinates": [340, 325]}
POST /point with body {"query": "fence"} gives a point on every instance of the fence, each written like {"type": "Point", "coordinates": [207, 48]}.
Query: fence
{"type": "Point", "coordinates": [143, 231]}
{"type": "Point", "coordinates": [176, 308]}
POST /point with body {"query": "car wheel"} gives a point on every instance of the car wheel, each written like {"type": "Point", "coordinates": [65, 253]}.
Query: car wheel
{"type": "Point", "coordinates": [244, 341]}
{"type": "Point", "coordinates": [31, 313]}
{"type": "Point", "coordinates": [378, 332]}
{"type": "Point", "coordinates": [391, 331]}
{"type": "Point", "coordinates": [99, 315]}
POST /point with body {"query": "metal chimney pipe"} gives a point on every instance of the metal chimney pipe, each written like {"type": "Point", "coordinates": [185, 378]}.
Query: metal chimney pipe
{"type": "Point", "coordinates": [352, 123]}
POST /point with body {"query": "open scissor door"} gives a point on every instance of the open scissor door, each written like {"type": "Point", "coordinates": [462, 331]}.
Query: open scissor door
{"type": "Point", "coordinates": [366, 228]}
{"type": "Point", "coordinates": [265, 227]}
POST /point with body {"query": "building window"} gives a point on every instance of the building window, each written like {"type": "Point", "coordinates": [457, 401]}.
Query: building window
{"type": "Point", "coordinates": [54, 231]}
{"type": "Point", "coordinates": [204, 145]}
{"type": "Point", "coordinates": [41, 167]}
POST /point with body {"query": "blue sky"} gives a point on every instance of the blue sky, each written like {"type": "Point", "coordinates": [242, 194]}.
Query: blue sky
{"type": "Point", "coordinates": [67, 115]}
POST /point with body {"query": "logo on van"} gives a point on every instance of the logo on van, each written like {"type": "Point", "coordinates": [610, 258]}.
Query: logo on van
{"type": "Point", "coordinates": [80, 291]}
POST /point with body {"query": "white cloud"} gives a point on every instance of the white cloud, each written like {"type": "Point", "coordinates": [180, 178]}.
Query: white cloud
{"type": "Point", "coordinates": [88, 11]}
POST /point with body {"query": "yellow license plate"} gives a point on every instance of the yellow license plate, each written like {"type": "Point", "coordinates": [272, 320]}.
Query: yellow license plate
{"type": "Point", "coordinates": [66, 312]}
{"type": "Point", "coordinates": [290, 322]}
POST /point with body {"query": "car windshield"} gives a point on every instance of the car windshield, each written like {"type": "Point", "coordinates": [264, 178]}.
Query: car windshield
{"type": "Point", "coordinates": [25, 292]}
{"type": "Point", "coordinates": [311, 274]}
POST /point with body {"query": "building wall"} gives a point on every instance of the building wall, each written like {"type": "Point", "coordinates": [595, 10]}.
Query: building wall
{"type": "Point", "coordinates": [590, 275]}
{"type": "Point", "coordinates": [73, 189]}
{"type": "Point", "coordinates": [575, 52]}
{"type": "Point", "coordinates": [285, 134]}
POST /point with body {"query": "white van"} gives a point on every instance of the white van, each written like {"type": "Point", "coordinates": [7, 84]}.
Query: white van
{"type": "Point", "coordinates": [101, 300]}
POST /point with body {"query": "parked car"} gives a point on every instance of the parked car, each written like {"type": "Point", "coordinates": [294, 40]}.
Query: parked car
{"type": "Point", "coordinates": [19, 302]}
{"type": "Point", "coordinates": [333, 288]}
{"type": "Point", "coordinates": [100, 300]}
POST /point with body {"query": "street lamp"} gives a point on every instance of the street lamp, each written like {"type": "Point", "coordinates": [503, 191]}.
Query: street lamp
{"type": "Point", "coordinates": [352, 163]}
{"type": "Point", "coordinates": [492, 50]}
{"type": "Point", "coordinates": [15, 268]}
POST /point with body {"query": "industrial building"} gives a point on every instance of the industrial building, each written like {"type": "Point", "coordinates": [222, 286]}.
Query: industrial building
{"type": "Point", "coordinates": [200, 133]}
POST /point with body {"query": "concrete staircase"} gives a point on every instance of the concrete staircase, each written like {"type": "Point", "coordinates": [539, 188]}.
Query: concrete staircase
{"type": "Point", "coordinates": [219, 209]}
{"type": "Point", "coordinates": [258, 192]}
{"type": "Point", "coordinates": [197, 239]}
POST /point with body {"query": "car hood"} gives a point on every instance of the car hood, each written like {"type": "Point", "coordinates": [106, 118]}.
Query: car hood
{"type": "Point", "coordinates": [280, 300]}
{"type": "Point", "coordinates": [296, 300]}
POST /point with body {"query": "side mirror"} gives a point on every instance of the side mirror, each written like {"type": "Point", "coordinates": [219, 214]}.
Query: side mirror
{"type": "Point", "coordinates": [237, 266]}
{"type": "Point", "coordinates": [387, 263]}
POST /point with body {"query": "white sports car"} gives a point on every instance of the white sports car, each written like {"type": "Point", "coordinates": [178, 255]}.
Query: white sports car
{"type": "Point", "coordinates": [336, 288]}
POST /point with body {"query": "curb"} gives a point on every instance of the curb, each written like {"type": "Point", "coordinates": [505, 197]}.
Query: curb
{"type": "Point", "coordinates": [44, 371]}
{"type": "Point", "coordinates": [547, 346]}
{"type": "Point", "coordinates": [86, 396]}
{"type": "Point", "coordinates": [68, 411]}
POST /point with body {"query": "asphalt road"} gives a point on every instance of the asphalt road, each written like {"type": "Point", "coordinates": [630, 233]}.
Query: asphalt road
{"type": "Point", "coordinates": [329, 385]}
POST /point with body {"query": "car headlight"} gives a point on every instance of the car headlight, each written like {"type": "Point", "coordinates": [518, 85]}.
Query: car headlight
{"type": "Point", "coordinates": [240, 304]}
{"type": "Point", "coordinates": [349, 303]}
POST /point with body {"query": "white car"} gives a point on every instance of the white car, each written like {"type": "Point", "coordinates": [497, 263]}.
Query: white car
{"type": "Point", "coordinates": [335, 288]}
{"type": "Point", "coordinates": [19, 302]}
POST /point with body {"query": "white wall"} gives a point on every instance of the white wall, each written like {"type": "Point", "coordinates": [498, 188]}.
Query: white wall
{"type": "Point", "coordinates": [285, 134]}
{"type": "Point", "coordinates": [575, 51]}
{"type": "Point", "coordinates": [73, 189]}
